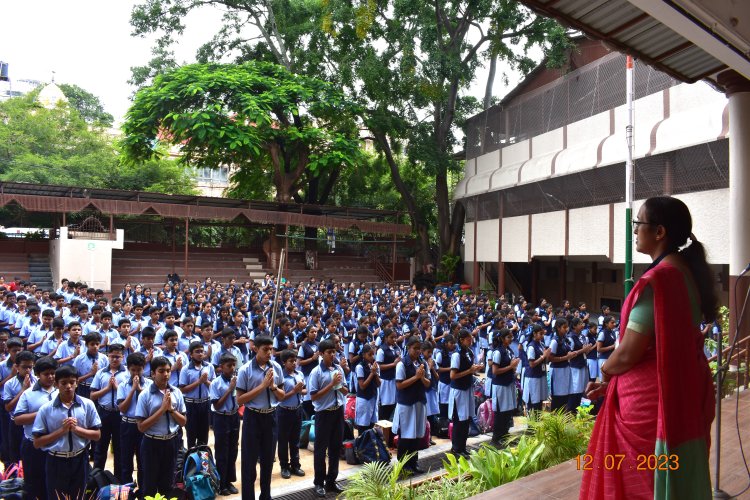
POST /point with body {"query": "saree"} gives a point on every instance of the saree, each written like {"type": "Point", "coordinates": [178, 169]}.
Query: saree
{"type": "Point", "coordinates": [652, 435]}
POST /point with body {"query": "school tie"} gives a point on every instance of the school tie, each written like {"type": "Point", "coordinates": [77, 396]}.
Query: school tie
{"type": "Point", "coordinates": [268, 390]}
{"type": "Point", "coordinates": [112, 395]}
{"type": "Point", "coordinates": [200, 386]}
{"type": "Point", "coordinates": [169, 423]}
{"type": "Point", "coordinates": [70, 432]}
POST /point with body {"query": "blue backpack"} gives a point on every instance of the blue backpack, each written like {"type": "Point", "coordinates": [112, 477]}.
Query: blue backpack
{"type": "Point", "coordinates": [370, 447]}
{"type": "Point", "coordinates": [200, 474]}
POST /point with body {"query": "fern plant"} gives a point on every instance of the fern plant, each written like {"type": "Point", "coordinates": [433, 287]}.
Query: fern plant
{"type": "Point", "coordinates": [447, 488]}
{"type": "Point", "coordinates": [378, 481]}
{"type": "Point", "coordinates": [564, 435]}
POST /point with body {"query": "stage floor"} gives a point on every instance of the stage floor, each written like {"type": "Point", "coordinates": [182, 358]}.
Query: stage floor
{"type": "Point", "coordinates": [563, 481]}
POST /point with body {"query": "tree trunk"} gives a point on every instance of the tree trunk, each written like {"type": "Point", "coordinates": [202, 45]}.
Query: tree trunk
{"type": "Point", "coordinates": [490, 82]}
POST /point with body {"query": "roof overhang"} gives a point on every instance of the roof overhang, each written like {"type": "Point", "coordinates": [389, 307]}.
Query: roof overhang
{"type": "Point", "coordinates": [690, 40]}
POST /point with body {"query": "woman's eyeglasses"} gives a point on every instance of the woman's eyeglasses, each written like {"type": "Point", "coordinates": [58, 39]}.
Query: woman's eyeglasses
{"type": "Point", "coordinates": [638, 223]}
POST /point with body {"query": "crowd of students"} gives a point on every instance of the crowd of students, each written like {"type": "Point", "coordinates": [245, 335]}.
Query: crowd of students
{"type": "Point", "coordinates": [152, 373]}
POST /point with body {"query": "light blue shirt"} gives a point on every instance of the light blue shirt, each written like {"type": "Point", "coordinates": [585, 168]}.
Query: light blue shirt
{"type": "Point", "coordinates": [29, 330]}
{"type": "Point", "coordinates": [149, 403]}
{"type": "Point", "coordinates": [135, 345]}
{"type": "Point", "coordinates": [320, 377]}
{"type": "Point", "coordinates": [190, 374]}
{"type": "Point", "coordinates": [174, 377]}
{"type": "Point", "coordinates": [13, 386]}
{"type": "Point", "coordinates": [290, 380]}
{"type": "Point", "coordinates": [50, 417]}
{"type": "Point", "coordinates": [83, 362]}
{"type": "Point", "coordinates": [251, 376]}
{"type": "Point", "coordinates": [109, 400]}
{"type": "Point", "coordinates": [234, 351]}
{"type": "Point", "coordinates": [156, 354]}
{"type": "Point", "coordinates": [124, 389]}
{"type": "Point", "coordinates": [31, 400]}
{"type": "Point", "coordinates": [218, 387]}
{"type": "Point", "coordinates": [183, 342]}
{"type": "Point", "coordinates": [67, 349]}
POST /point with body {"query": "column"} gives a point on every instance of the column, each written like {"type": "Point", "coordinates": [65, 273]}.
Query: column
{"type": "Point", "coordinates": [737, 89]}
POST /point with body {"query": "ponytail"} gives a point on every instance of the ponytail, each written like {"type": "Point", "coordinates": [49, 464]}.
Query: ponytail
{"type": "Point", "coordinates": [695, 256]}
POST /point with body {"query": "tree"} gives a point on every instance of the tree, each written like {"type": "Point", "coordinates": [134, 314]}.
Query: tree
{"type": "Point", "coordinates": [253, 116]}
{"type": "Point", "coordinates": [56, 146]}
{"type": "Point", "coordinates": [409, 64]}
{"type": "Point", "coordinates": [88, 105]}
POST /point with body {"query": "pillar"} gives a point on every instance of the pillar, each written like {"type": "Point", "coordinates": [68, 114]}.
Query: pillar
{"type": "Point", "coordinates": [737, 89]}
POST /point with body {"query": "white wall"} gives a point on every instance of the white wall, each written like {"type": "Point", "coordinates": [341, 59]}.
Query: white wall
{"type": "Point", "coordinates": [84, 260]}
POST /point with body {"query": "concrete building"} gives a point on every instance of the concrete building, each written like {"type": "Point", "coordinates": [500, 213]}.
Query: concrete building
{"type": "Point", "coordinates": [544, 180]}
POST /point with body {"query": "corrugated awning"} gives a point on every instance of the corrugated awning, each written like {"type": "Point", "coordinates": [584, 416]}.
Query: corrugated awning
{"type": "Point", "coordinates": [51, 198]}
{"type": "Point", "coordinates": [648, 30]}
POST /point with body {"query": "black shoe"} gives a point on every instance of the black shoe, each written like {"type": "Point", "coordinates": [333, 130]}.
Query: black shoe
{"type": "Point", "coordinates": [225, 492]}
{"type": "Point", "coordinates": [232, 490]}
{"type": "Point", "coordinates": [417, 470]}
{"type": "Point", "coordinates": [334, 488]}
{"type": "Point", "coordinates": [320, 492]}
{"type": "Point", "coordinates": [432, 443]}
{"type": "Point", "coordinates": [286, 473]}
{"type": "Point", "coordinates": [298, 472]}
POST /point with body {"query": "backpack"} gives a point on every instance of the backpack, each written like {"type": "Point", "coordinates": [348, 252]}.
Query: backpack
{"type": "Point", "coordinates": [13, 471]}
{"type": "Point", "coordinates": [98, 480]}
{"type": "Point", "coordinates": [486, 416]}
{"type": "Point", "coordinates": [441, 427]}
{"type": "Point", "coordinates": [350, 410]}
{"type": "Point", "coordinates": [179, 480]}
{"type": "Point", "coordinates": [370, 447]}
{"type": "Point", "coordinates": [12, 489]}
{"type": "Point", "coordinates": [474, 427]}
{"type": "Point", "coordinates": [305, 431]}
{"type": "Point", "coordinates": [200, 474]}
{"type": "Point", "coordinates": [424, 443]}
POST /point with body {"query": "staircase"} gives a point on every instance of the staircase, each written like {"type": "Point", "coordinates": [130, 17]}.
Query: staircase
{"type": "Point", "coordinates": [39, 271]}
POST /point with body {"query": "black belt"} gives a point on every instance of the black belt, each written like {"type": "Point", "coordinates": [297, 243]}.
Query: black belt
{"type": "Point", "coordinates": [129, 420]}
{"type": "Point", "coordinates": [161, 438]}
{"type": "Point", "coordinates": [332, 408]}
{"type": "Point", "coordinates": [66, 454]}
{"type": "Point", "coordinates": [226, 413]}
{"type": "Point", "coordinates": [196, 400]}
{"type": "Point", "coordinates": [262, 411]}
{"type": "Point", "coordinates": [290, 409]}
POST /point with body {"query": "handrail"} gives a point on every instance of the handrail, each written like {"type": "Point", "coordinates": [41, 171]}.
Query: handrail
{"type": "Point", "coordinates": [382, 272]}
{"type": "Point", "coordinates": [742, 351]}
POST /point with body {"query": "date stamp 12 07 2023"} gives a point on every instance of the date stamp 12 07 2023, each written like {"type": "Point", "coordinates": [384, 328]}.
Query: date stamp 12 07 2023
{"type": "Point", "coordinates": [619, 461]}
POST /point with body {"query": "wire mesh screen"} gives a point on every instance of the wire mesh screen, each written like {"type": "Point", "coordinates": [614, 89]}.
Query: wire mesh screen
{"type": "Point", "coordinates": [697, 168]}
{"type": "Point", "coordinates": [587, 91]}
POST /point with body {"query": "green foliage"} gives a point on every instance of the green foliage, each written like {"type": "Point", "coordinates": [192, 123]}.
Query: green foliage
{"type": "Point", "coordinates": [88, 105]}
{"type": "Point", "coordinates": [446, 488]}
{"type": "Point", "coordinates": [57, 146]}
{"type": "Point", "coordinates": [564, 435]}
{"type": "Point", "coordinates": [378, 481]}
{"type": "Point", "coordinates": [492, 467]}
{"type": "Point", "coordinates": [254, 115]}
{"type": "Point", "coordinates": [447, 268]}
{"type": "Point", "coordinates": [159, 496]}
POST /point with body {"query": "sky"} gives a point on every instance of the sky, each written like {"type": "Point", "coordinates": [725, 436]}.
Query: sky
{"type": "Point", "coordinates": [89, 43]}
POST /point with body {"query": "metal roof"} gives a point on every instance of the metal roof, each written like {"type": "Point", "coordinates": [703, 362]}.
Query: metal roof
{"type": "Point", "coordinates": [634, 31]}
{"type": "Point", "coordinates": [52, 198]}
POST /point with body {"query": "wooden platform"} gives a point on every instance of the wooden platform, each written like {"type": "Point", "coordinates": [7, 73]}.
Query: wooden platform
{"type": "Point", "coordinates": [563, 481]}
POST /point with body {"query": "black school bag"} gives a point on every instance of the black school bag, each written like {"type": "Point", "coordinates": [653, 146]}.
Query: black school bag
{"type": "Point", "coordinates": [370, 447]}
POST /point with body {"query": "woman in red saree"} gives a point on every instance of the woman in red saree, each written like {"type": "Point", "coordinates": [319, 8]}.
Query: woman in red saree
{"type": "Point", "coordinates": [652, 435]}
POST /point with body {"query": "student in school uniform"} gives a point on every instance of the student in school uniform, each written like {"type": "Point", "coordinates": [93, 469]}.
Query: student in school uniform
{"type": "Point", "coordinates": [176, 358]}
{"type": "Point", "coordinates": [226, 423]}
{"type": "Point", "coordinates": [55, 340]}
{"type": "Point", "coordinates": [579, 373]}
{"type": "Point", "coordinates": [461, 401]}
{"type": "Point", "coordinates": [31, 400]}
{"type": "Point", "coordinates": [160, 413]}
{"type": "Point", "coordinates": [504, 397]}
{"type": "Point", "coordinates": [605, 341]}
{"type": "Point", "coordinates": [108, 333]}
{"type": "Point", "coordinates": [387, 358]}
{"type": "Point", "coordinates": [355, 354]}
{"type": "Point", "coordinates": [409, 420]}
{"type": "Point", "coordinates": [289, 416]}
{"type": "Point", "coordinates": [12, 391]}
{"type": "Point", "coordinates": [433, 407]}
{"type": "Point", "coordinates": [14, 346]}
{"type": "Point", "coordinates": [188, 336]}
{"type": "Point", "coordinates": [560, 356]}
{"type": "Point", "coordinates": [123, 337]}
{"type": "Point", "coordinates": [127, 401]}
{"type": "Point", "coordinates": [36, 337]}
{"type": "Point", "coordinates": [328, 391]}
{"type": "Point", "coordinates": [259, 387]}
{"type": "Point", "coordinates": [71, 349]}
{"type": "Point", "coordinates": [535, 389]}
{"type": "Point", "coordinates": [64, 428]}
{"type": "Point", "coordinates": [227, 347]}
{"type": "Point", "coordinates": [195, 382]}
{"type": "Point", "coordinates": [88, 364]}
{"type": "Point", "coordinates": [368, 379]}
{"type": "Point", "coordinates": [592, 362]}
{"type": "Point", "coordinates": [104, 394]}
{"type": "Point", "coordinates": [308, 357]}
{"type": "Point", "coordinates": [443, 365]}
{"type": "Point", "coordinates": [148, 349]}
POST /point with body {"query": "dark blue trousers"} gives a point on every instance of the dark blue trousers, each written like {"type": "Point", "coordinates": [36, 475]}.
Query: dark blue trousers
{"type": "Point", "coordinates": [197, 423]}
{"type": "Point", "coordinates": [289, 425]}
{"type": "Point", "coordinates": [15, 436]}
{"type": "Point", "coordinates": [226, 444]}
{"type": "Point", "coordinates": [159, 460]}
{"type": "Point", "coordinates": [329, 435]}
{"type": "Point", "coordinates": [110, 430]}
{"type": "Point", "coordinates": [4, 429]}
{"type": "Point", "coordinates": [34, 462]}
{"type": "Point", "coordinates": [258, 441]}
{"type": "Point", "coordinates": [67, 477]}
{"type": "Point", "coordinates": [130, 446]}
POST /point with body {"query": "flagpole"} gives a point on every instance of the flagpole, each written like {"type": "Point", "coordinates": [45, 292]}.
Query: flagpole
{"type": "Point", "coordinates": [629, 178]}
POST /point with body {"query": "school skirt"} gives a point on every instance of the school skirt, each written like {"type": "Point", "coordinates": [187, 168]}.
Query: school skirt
{"type": "Point", "coordinates": [535, 390]}
{"type": "Point", "coordinates": [444, 393]}
{"type": "Point", "coordinates": [409, 421]}
{"type": "Point", "coordinates": [593, 365]}
{"type": "Point", "coordinates": [488, 386]}
{"type": "Point", "coordinates": [387, 392]}
{"type": "Point", "coordinates": [432, 403]}
{"type": "Point", "coordinates": [463, 401]}
{"type": "Point", "coordinates": [579, 377]}
{"type": "Point", "coordinates": [601, 361]}
{"type": "Point", "coordinates": [484, 343]}
{"type": "Point", "coordinates": [560, 380]}
{"type": "Point", "coordinates": [504, 397]}
{"type": "Point", "coordinates": [366, 411]}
